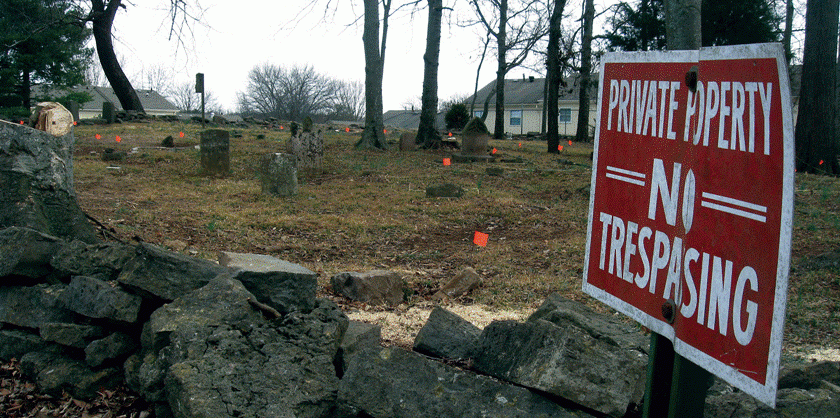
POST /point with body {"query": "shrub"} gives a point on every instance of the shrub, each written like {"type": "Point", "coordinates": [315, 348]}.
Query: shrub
{"type": "Point", "coordinates": [475, 126]}
{"type": "Point", "coordinates": [457, 116]}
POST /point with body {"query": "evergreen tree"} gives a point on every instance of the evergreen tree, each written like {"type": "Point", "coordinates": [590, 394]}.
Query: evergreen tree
{"type": "Point", "coordinates": [723, 22]}
{"type": "Point", "coordinates": [41, 42]}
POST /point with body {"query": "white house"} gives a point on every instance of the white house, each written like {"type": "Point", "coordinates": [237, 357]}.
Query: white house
{"type": "Point", "coordinates": [524, 100]}
{"type": "Point", "coordinates": [153, 103]}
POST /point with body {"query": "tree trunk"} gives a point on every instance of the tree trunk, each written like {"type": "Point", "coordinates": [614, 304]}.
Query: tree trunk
{"type": "Point", "coordinates": [477, 74]}
{"type": "Point", "coordinates": [427, 133]}
{"type": "Point", "coordinates": [553, 78]}
{"type": "Point", "coordinates": [501, 70]}
{"type": "Point", "coordinates": [788, 30]}
{"type": "Point", "coordinates": [682, 24]}
{"type": "Point", "coordinates": [816, 131]}
{"type": "Point", "coordinates": [103, 21]}
{"type": "Point", "coordinates": [26, 89]}
{"type": "Point", "coordinates": [373, 137]}
{"type": "Point", "coordinates": [585, 72]}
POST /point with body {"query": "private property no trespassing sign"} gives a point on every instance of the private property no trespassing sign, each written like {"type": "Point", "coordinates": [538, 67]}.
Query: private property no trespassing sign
{"type": "Point", "coordinates": [692, 202]}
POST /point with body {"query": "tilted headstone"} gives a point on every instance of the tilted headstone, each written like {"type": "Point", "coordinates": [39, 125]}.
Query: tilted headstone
{"type": "Point", "coordinates": [215, 152]}
{"type": "Point", "coordinates": [109, 112]}
{"type": "Point", "coordinates": [308, 149]}
{"type": "Point", "coordinates": [73, 107]}
{"type": "Point", "coordinates": [407, 141]}
{"type": "Point", "coordinates": [278, 174]}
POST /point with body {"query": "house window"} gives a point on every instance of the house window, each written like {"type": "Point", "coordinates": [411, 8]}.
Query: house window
{"type": "Point", "coordinates": [515, 117]}
{"type": "Point", "coordinates": [565, 115]}
{"type": "Point", "coordinates": [478, 113]}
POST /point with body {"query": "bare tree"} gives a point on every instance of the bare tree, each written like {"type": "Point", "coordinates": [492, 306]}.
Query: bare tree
{"type": "Point", "coordinates": [155, 77]}
{"type": "Point", "coordinates": [817, 149]}
{"type": "Point", "coordinates": [373, 137]}
{"type": "Point", "coordinates": [553, 77]}
{"type": "Point", "coordinates": [427, 133]}
{"type": "Point", "coordinates": [102, 17]}
{"type": "Point", "coordinates": [788, 33]}
{"type": "Point", "coordinates": [585, 71]}
{"type": "Point", "coordinates": [516, 30]}
{"type": "Point", "coordinates": [349, 101]}
{"type": "Point", "coordinates": [184, 97]}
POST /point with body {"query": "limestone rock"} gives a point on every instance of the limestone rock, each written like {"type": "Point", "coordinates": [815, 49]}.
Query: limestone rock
{"type": "Point", "coordinates": [115, 346]}
{"type": "Point", "coordinates": [103, 261]}
{"type": "Point", "coordinates": [465, 282]}
{"type": "Point", "coordinates": [447, 335]}
{"type": "Point", "coordinates": [376, 287]}
{"type": "Point", "coordinates": [15, 344]}
{"type": "Point", "coordinates": [166, 275]}
{"type": "Point", "coordinates": [561, 311]}
{"type": "Point", "coordinates": [54, 373]}
{"type": "Point", "coordinates": [395, 383]}
{"type": "Point", "coordinates": [359, 336]}
{"type": "Point", "coordinates": [26, 253]}
{"type": "Point", "coordinates": [564, 361]}
{"type": "Point", "coordinates": [94, 298]}
{"type": "Point", "coordinates": [791, 402]}
{"type": "Point", "coordinates": [36, 171]}
{"type": "Point", "coordinates": [31, 307]}
{"type": "Point", "coordinates": [280, 284]}
{"type": "Point", "coordinates": [209, 353]}
{"type": "Point", "coordinates": [71, 335]}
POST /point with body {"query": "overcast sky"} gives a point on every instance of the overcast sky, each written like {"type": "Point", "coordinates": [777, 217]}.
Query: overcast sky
{"type": "Point", "coordinates": [238, 35]}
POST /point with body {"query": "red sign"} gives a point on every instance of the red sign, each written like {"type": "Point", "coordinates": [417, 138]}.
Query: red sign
{"type": "Point", "coordinates": [692, 202]}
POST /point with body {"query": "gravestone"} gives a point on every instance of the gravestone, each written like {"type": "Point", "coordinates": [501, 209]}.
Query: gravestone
{"type": "Point", "coordinates": [278, 174]}
{"type": "Point", "coordinates": [407, 141]}
{"type": "Point", "coordinates": [308, 149]}
{"type": "Point", "coordinates": [109, 112]}
{"type": "Point", "coordinates": [73, 107]}
{"type": "Point", "coordinates": [215, 152]}
{"type": "Point", "coordinates": [474, 141]}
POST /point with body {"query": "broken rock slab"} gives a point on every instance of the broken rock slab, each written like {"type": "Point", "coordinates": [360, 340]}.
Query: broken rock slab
{"type": "Point", "coordinates": [54, 372]}
{"type": "Point", "coordinates": [280, 284]}
{"type": "Point", "coordinates": [565, 361]}
{"type": "Point", "coordinates": [561, 311]}
{"type": "Point", "coordinates": [359, 336]}
{"type": "Point", "coordinates": [465, 282]}
{"type": "Point", "coordinates": [95, 298]}
{"type": "Point", "coordinates": [210, 353]}
{"type": "Point", "coordinates": [376, 287]}
{"type": "Point", "coordinates": [396, 383]}
{"type": "Point", "coordinates": [26, 253]}
{"type": "Point", "coordinates": [158, 273]}
{"type": "Point", "coordinates": [31, 307]}
{"type": "Point", "coordinates": [446, 335]}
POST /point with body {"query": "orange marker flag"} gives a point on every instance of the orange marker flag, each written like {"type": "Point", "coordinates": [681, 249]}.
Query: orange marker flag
{"type": "Point", "coordinates": [570, 142]}
{"type": "Point", "coordinates": [447, 161]}
{"type": "Point", "coordinates": [346, 129]}
{"type": "Point", "coordinates": [180, 134]}
{"type": "Point", "coordinates": [450, 134]}
{"type": "Point", "coordinates": [119, 139]}
{"type": "Point", "coordinates": [281, 127]}
{"type": "Point", "coordinates": [821, 162]}
{"type": "Point", "coordinates": [494, 150]}
{"type": "Point", "coordinates": [75, 123]}
{"type": "Point", "coordinates": [21, 122]}
{"type": "Point", "coordinates": [480, 239]}
{"type": "Point", "coordinates": [520, 145]}
{"type": "Point", "coordinates": [97, 136]}
{"type": "Point", "coordinates": [559, 148]}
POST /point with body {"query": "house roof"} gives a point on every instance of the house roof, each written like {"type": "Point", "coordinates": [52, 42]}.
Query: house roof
{"type": "Point", "coordinates": [152, 101]}
{"type": "Point", "coordinates": [531, 90]}
{"type": "Point", "coordinates": [408, 119]}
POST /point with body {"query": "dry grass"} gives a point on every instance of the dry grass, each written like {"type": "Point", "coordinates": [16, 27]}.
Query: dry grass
{"type": "Point", "coordinates": [368, 210]}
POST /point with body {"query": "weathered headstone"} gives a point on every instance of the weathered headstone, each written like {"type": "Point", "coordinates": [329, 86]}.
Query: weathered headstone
{"type": "Point", "coordinates": [407, 141]}
{"type": "Point", "coordinates": [444, 190]}
{"type": "Point", "coordinates": [278, 174]}
{"type": "Point", "coordinates": [109, 112]}
{"type": "Point", "coordinates": [73, 107]}
{"type": "Point", "coordinates": [447, 335]}
{"type": "Point", "coordinates": [215, 152]}
{"type": "Point", "coordinates": [466, 281]}
{"type": "Point", "coordinates": [308, 149]}
{"type": "Point", "coordinates": [474, 141]}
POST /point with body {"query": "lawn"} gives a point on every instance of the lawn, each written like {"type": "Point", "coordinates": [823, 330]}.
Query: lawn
{"type": "Point", "coordinates": [368, 210]}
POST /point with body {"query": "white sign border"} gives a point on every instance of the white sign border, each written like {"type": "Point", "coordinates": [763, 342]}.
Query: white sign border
{"type": "Point", "coordinates": [765, 393]}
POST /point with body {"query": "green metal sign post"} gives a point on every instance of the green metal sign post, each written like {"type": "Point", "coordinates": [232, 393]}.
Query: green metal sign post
{"type": "Point", "coordinates": [676, 387]}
